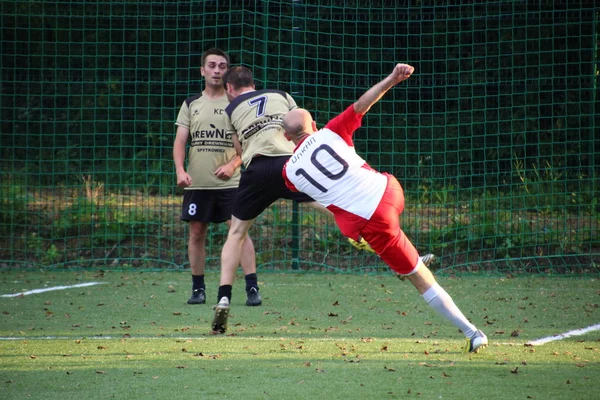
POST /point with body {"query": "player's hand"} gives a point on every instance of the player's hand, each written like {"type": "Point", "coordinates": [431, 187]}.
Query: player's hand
{"type": "Point", "coordinates": [225, 172]}
{"type": "Point", "coordinates": [401, 72]}
{"type": "Point", "coordinates": [184, 180]}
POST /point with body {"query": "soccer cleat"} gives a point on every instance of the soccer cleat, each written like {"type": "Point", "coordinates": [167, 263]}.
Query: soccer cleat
{"type": "Point", "coordinates": [427, 260]}
{"type": "Point", "coordinates": [219, 323]}
{"type": "Point", "coordinates": [477, 342]}
{"type": "Point", "coordinates": [198, 297]}
{"type": "Point", "coordinates": [362, 245]}
{"type": "Point", "coordinates": [254, 298]}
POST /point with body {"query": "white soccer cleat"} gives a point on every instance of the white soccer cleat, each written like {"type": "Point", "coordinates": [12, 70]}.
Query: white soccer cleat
{"type": "Point", "coordinates": [477, 342]}
{"type": "Point", "coordinates": [219, 323]}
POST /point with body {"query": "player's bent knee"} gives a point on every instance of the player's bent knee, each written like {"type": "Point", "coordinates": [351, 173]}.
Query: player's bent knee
{"type": "Point", "coordinates": [239, 229]}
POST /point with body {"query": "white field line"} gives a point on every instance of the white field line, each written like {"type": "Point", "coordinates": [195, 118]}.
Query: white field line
{"type": "Point", "coordinates": [186, 338]}
{"type": "Point", "coordinates": [209, 337]}
{"type": "Point", "coordinates": [537, 342]}
{"type": "Point", "coordinates": [34, 291]}
{"type": "Point", "coordinates": [575, 332]}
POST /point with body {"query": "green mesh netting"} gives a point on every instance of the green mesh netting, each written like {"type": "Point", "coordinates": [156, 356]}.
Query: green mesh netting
{"type": "Point", "coordinates": [495, 137]}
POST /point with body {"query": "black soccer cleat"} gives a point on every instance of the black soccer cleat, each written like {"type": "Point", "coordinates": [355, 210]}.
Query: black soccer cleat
{"type": "Point", "coordinates": [254, 298]}
{"type": "Point", "coordinates": [428, 259]}
{"type": "Point", "coordinates": [198, 297]}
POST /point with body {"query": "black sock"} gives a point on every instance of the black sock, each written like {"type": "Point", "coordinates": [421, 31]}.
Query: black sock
{"type": "Point", "coordinates": [198, 282]}
{"type": "Point", "coordinates": [224, 291]}
{"type": "Point", "coordinates": [251, 281]}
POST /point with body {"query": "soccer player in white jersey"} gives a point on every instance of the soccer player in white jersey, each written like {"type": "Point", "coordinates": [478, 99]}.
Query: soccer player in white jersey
{"type": "Point", "coordinates": [364, 202]}
{"type": "Point", "coordinates": [213, 171]}
{"type": "Point", "coordinates": [254, 119]}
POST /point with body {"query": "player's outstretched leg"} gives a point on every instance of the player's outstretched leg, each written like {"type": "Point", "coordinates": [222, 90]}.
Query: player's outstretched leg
{"type": "Point", "coordinates": [438, 299]}
{"type": "Point", "coordinates": [219, 323]}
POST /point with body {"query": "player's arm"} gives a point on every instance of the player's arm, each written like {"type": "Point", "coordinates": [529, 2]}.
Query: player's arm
{"type": "Point", "coordinates": [183, 179]}
{"type": "Point", "coordinates": [227, 170]}
{"type": "Point", "coordinates": [400, 73]}
{"type": "Point", "coordinates": [236, 144]}
{"type": "Point", "coordinates": [230, 130]}
{"type": "Point", "coordinates": [288, 183]}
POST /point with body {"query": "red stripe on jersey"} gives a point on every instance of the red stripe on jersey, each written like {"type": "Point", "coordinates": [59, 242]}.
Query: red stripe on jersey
{"type": "Point", "coordinates": [367, 166]}
{"type": "Point", "coordinates": [289, 184]}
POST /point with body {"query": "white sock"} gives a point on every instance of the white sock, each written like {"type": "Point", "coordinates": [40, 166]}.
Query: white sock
{"type": "Point", "coordinates": [440, 300]}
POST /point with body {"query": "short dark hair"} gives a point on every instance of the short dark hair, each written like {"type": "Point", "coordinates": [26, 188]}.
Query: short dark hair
{"type": "Point", "coordinates": [238, 77]}
{"type": "Point", "coordinates": [213, 51]}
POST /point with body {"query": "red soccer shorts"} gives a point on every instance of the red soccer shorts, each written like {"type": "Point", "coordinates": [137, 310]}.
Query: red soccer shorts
{"type": "Point", "coordinates": [382, 231]}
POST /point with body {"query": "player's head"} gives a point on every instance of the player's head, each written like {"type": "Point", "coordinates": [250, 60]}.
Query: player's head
{"type": "Point", "coordinates": [214, 64]}
{"type": "Point", "coordinates": [214, 52]}
{"type": "Point", "coordinates": [298, 123]}
{"type": "Point", "coordinates": [237, 79]}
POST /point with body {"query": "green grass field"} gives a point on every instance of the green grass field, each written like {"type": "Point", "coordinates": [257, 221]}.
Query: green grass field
{"type": "Point", "coordinates": [316, 335]}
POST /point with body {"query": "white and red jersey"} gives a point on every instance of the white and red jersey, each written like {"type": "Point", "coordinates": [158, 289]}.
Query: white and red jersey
{"type": "Point", "coordinates": [326, 167]}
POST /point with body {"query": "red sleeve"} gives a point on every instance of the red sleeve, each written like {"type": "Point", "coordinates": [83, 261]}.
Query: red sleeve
{"type": "Point", "coordinates": [345, 124]}
{"type": "Point", "coordinates": [289, 184]}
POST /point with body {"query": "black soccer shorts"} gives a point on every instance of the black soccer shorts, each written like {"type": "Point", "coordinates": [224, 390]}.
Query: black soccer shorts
{"type": "Point", "coordinates": [208, 205]}
{"type": "Point", "coordinates": [261, 184]}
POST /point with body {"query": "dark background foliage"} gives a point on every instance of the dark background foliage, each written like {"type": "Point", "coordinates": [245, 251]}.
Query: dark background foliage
{"type": "Point", "coordinates": [503, 104]}
{"type": "Point", "coordinates": [102, 81]}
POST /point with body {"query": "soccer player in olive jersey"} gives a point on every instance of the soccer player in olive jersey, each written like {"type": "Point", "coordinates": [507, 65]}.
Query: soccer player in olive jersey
{"type": "Point", "coordinates": [254, 119]}
{"type": "Point", "coordinates": [213, 171]}
{"type": "Point", "coordinates": [364, 202]}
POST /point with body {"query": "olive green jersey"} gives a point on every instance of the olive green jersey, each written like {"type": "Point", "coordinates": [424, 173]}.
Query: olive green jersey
{"type": "Point", "coordinates": [256, 117]}
{"type": "Point", "coordinates": [210, 145]}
